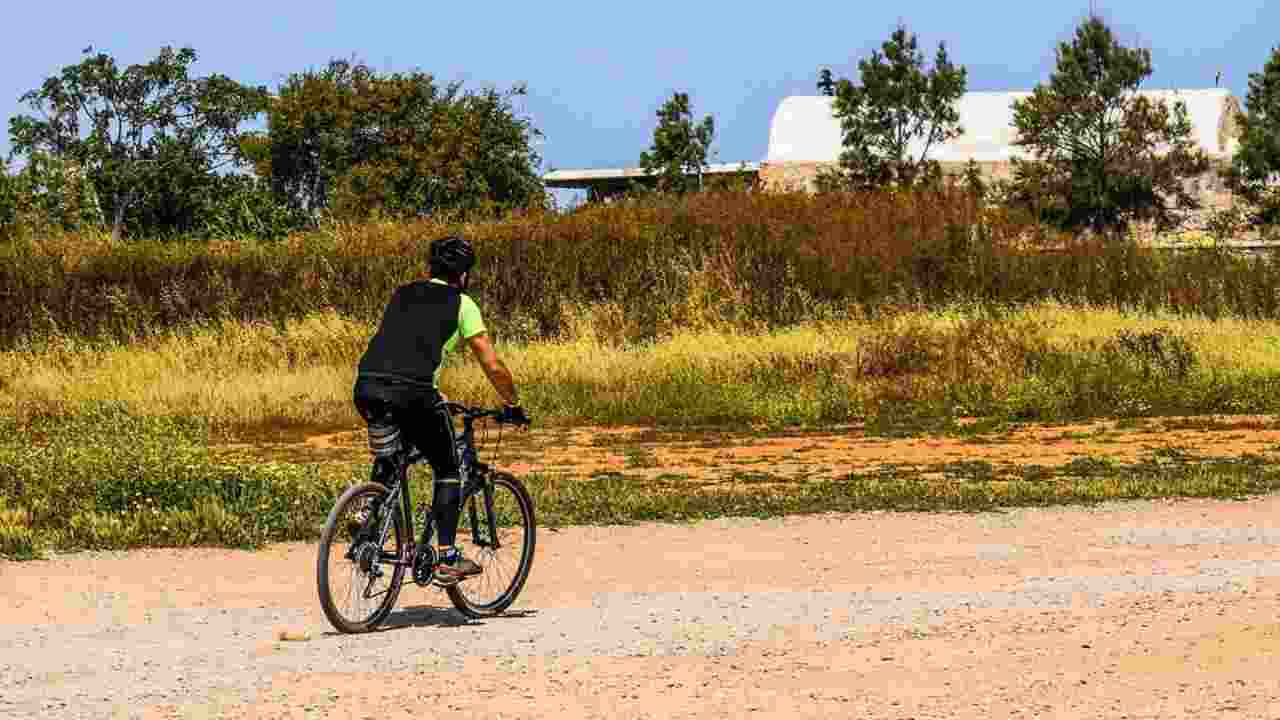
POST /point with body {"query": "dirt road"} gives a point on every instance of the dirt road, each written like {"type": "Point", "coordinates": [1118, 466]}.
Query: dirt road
{"type": "Point", "coordinates": [1155, 610]}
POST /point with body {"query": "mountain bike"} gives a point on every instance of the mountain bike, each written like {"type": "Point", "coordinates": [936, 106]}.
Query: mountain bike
{"type": "Point", "coordinates": [368, 542]}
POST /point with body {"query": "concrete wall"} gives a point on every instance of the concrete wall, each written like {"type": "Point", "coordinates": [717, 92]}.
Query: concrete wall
{"type": "Point", "coordinates": [804, 137]}
{"type": "Point", "coordinates": [802, 175]}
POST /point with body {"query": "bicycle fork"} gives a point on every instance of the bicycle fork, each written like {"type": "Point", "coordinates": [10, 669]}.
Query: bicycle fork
{"type": "Point", "coordinates": [491, 521]}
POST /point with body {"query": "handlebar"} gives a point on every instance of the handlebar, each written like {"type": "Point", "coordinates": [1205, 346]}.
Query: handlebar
{"type": "Point", "coordinates": [477, 413]}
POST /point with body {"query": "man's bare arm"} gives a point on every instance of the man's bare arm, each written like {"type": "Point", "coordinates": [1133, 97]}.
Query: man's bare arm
{"type": "Point", "coordinates": [498, 373]}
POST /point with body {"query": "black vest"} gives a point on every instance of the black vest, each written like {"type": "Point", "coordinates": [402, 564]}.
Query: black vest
{"type": "Point", "coordinates": [419, 319]}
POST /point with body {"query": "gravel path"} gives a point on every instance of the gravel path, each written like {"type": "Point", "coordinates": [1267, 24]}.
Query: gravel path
{"type": "Point", "coordinates": [1126, 610]}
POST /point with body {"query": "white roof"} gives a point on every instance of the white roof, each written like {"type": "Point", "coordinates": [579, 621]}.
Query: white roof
{"type": "Point", "coordinates": [804, 130]}
{"type": "Point", "coordinates": [575, 178]}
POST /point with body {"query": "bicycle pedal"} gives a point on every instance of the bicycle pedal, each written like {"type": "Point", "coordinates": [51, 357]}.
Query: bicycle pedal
{"type": "Point", "coordinates": [444, 581]}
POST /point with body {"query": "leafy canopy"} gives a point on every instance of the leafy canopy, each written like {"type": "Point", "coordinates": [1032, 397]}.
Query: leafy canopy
{"type": "Point", "coordinates": [899, 113]}
{"type": "Point", "coordinates": [47, 193]}
{"type": "Point", "coordinates": [680, 147]}
{"type": "Point", "coordinates": [352, 142]}
{"type": "Point", "coordinates": [1103, 155]}
{"type": "Point", "coordinates": [1255, 169]}
{"type": "Point", "coordinates": [147, 136]}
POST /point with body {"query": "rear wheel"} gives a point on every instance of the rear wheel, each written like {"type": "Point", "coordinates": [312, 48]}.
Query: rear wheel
{"type": "Point", "coordinates": [356, 577]}
{"type": "Point", "coordinates": [506, 563]}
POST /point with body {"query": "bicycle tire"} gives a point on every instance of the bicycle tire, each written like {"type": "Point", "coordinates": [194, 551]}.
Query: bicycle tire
{"type": "Point", "coordinates": [332, 527]}
{"type": "Point", "coordinates": [458, 592]}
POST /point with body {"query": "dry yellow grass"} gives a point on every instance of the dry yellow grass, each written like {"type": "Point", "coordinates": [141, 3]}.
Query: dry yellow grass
{"type": "Point", "coordinates": [255, 375]}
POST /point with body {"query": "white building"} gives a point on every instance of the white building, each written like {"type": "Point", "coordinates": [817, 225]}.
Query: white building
{"type": "Point", "coordinates": [804, 135]}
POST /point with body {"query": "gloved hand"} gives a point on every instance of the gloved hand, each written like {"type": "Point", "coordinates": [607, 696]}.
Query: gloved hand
{"type": "Point", "coordinates": [514, 414]}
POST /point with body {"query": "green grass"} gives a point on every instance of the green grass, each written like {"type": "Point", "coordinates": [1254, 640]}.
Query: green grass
{"type": "Point", "coordinates": [111, 481]}
{"type": "Point", "coordinates": [114, 481]}
{"type": "Point", "coordinates": [639, 457]}
{"type": "Point", "coordinates": [612, 498]}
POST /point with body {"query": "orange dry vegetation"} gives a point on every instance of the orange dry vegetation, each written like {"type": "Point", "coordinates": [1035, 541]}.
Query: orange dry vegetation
{"type": "Point", "coordinates": [718, 457]}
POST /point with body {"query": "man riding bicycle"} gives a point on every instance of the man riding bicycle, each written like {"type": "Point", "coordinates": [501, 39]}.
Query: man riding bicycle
{"type": "Point", "coordinates": [397, 385]}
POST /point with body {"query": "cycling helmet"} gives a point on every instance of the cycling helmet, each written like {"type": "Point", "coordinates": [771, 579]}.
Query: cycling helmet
{"type": "Point", "coordinates": [452, 255]}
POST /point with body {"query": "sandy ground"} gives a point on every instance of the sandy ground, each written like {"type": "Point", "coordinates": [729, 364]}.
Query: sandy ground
{"type": "Point", "coordinates": [1138, 610]}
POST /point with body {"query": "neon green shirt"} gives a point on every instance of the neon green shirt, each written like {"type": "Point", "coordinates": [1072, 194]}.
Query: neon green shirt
{"type": "Point", "coordinates": [470, 324]}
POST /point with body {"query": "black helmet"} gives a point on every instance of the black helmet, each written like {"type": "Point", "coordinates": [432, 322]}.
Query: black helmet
{"type": "Point", "coordinates": [452, 255]}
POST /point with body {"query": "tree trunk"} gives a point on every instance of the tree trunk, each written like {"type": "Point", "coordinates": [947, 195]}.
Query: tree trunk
{"type": "Point", "coordinates": [117, 223]}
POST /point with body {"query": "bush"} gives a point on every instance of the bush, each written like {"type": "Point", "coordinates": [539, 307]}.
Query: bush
{"type": "Point", "coordinates": [1155, 354]}
{"type": "Point", "coordinates": [747, 259]}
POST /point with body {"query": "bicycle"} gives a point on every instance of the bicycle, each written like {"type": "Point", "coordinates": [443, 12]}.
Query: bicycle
{"type": "Point", "coordinates": [489, 522]}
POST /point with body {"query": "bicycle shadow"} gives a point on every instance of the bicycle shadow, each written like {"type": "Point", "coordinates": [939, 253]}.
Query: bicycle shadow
{"type": "Point", "coordinates": [426, 616]}
{"type": "Point", "coordinates": [419, 616]}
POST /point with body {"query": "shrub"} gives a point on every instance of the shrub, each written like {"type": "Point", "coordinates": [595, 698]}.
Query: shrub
{"type": "Point", "coordinates": [751, 259]}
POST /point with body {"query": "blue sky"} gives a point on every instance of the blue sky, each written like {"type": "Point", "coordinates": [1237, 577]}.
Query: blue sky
{"type": "Point", "coordinates": [596, 71]}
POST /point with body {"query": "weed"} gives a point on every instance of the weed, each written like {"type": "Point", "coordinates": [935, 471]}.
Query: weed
{"type": "Point", "coordinates": [1159, 353]}
{"type": "Point", "coordinates": [630, 272]}
{"type": "Point", "coordinates": [739, 477]}
{"type": "Point", "coordinates": [116, 481]}
{"type": "Point", "coordinates": [113, 481]}
{"type": "Point", "coordinates": [970, 470]}
{"type": "Point", "coordinates": [639, 457]}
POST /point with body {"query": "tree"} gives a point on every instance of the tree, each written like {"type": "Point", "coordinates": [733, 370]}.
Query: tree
{"type": "Point", "coordinates": [351, 142]}
{"type": "Point", "coordinates": [1103, 155]}
{"type": "Point", "coordinates": [145, 136]}
{"type": "Point", "coordinates": [680, 147]}
{"type": "Point", "coordinates": [899, 103]}
{"type": "Point", "coordinates": [972, 180]}
{"type": "Point", "coordinates": [49, 192]}
{"type": "Point", "coordinates": [1256, 166]}
{"type": "Point", "coordinates": [11, 200]}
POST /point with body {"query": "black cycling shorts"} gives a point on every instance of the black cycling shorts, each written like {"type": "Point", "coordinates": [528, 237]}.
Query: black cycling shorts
{"type": "Point", "coordinates": [416, 410]}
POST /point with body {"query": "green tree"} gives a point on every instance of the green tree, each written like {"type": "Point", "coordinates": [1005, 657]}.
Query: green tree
{"type": "Point", "coordinates": [899, 113]}
{"type": "Point", "coordinates": [1255, 169]}
{"type": "Point", "coordinates": [146, 136]}
{"type": "Point", "coordinates": [47, 193]}
{"type": "Point", "coordinates": [351, 142]}
{"type": "Point", "coordinates": [973, 181]}
{"type": "Point", "coordinates": [1103, 155]}
{"type": "Point", "coordinates": [10, 201]}
{"type": "Point", "coordinates": [680, 147]}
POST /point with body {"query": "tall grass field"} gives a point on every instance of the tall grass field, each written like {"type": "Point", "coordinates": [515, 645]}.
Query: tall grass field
{"type": "Point", "coordinates": [122, 364]}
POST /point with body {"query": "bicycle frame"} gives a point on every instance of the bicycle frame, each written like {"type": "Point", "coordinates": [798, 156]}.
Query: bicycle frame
{"type": "Point", "coordinates": [475, 477]}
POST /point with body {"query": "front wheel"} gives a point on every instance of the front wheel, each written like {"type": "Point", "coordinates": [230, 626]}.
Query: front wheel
{"type": "Point", "coordinates": [358, 578]}
{"type": "Point", "coordinates": [506, 563]}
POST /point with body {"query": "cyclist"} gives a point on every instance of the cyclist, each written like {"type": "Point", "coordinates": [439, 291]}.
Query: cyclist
{"type": "Point", "coordinates": [397, 385]}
